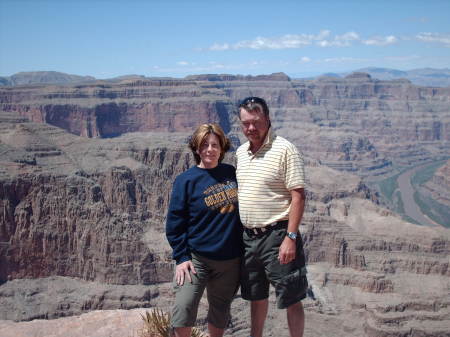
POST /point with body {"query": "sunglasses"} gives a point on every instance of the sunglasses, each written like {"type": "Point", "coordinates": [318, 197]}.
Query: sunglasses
{"type": "Point", "coordinates": [251, 100]}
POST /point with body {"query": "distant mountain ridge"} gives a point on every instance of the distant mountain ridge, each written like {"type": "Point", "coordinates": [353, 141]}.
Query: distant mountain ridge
{"type": "Point", "coordinates": [44, 77]}
{"type": "Point", "coordinates": [428, 77]}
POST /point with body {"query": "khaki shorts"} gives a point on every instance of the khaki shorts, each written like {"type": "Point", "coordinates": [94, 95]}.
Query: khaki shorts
{"type": "Point", "coordinates": [260, 267]}
{"type": "Point", "coordinates": [221, 280]}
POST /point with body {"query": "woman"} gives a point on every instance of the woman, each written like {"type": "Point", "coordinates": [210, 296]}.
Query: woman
{"type": "Point", "coordinates": [205, 233]}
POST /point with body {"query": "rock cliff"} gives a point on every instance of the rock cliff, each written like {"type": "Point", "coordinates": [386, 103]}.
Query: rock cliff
{"type": "Point", "coordinates": [77, 207]}
{"type": "Point", "coordinates": [82, 218]}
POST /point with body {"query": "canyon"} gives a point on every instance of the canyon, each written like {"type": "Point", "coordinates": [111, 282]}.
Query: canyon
{"type": "Point", "coordinates": [86, 173]}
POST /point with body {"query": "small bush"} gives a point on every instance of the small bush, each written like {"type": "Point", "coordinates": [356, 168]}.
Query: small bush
{"type": "Point", "coordinates": [157, 324]}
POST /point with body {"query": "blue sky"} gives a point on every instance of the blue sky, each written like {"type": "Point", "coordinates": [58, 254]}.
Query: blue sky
{"type": "Point", "coordinates": [176, 38]}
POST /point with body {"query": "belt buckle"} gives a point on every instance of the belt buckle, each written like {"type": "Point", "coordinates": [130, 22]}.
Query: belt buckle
{"type": "Point", "coordinates": [261, 230]}
{"type": "Point", "coordinates": [258, 231]}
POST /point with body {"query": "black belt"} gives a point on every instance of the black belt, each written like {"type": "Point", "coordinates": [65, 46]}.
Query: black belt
{"type": "Point", "coordinates": [266, 229]}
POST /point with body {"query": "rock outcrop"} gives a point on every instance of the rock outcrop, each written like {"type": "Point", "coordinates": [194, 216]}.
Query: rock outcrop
{"type": "Point", "coordinates": [439, 184]}
{"type": "Point", "coordinates": [56, 296]}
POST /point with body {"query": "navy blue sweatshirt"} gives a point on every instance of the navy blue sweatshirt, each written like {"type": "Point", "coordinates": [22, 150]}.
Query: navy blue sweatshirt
{"type": "Point", "coordinates": [203, 215]}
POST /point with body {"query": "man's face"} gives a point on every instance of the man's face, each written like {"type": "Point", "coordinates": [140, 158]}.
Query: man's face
{"type": "Point", "coordinates": [254, 125]}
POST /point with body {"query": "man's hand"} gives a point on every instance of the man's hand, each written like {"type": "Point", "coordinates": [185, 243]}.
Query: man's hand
{"type": "Point", "coordinates": [182, 271]}
{"type": "Point", "coordinates": [287, 251]}
{"type": "Point", "coordinates": [288, 247]}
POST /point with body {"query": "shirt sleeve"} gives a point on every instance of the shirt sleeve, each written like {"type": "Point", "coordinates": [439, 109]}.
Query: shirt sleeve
{"type": "Point", "coordinates": [295, 169]}
{"type": "Point", "coordinates": [177, 222]}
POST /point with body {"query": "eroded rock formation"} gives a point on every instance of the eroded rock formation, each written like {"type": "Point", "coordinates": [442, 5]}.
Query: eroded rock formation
{"type": "Point", "coordinates": [92, 210]}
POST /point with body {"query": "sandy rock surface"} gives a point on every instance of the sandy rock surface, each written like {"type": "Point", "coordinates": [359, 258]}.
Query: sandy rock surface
{"type": "Point", "coordinates": [106, 323]}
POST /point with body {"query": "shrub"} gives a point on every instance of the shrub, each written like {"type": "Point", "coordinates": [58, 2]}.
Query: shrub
{"type": "Point", "coordinates": [157, 324]}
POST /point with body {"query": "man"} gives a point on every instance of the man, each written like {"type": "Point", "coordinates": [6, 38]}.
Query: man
{"type": "Point", "coordinates": [270, 176]}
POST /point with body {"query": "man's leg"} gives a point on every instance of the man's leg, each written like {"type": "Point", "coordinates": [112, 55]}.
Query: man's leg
{"type": "Point", "coordinates": [214, 331]}
{"type": "Point", "coordinates": [290, 284]}
{"type": "Point", "coordinates": [254, 281]}
{"type": "Point", "coordinates": [258, 314]}
{"type": "Point", "coordinates": [296, 319]}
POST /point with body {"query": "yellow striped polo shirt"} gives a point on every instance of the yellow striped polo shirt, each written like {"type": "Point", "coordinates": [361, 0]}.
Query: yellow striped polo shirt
{"type": "Point", "coordinates": [265, 179]}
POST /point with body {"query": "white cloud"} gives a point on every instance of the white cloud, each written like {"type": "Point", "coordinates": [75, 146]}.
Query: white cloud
{"type": "Point", "coordinates": [349, 36]}
{"type": "Point", "coordinates": [305, 59]}
{"type": "Point", "coordinates": [435, 38]}
{"type": "Point", "coordinates": [219, 47]}
{"type": "Point", "coordinates": [323, 43]}
{"type": "Point", "coordinates": [380, 40]}
{"type": "Point", "coordinates": [284, 42]}
{"type": "Point", "coordinates": [193, 68]}
{"type": "Point", "coordinates": [215, 67]}
{"type": "Point", "coordinates": [183, 63]}
{"type": "Point", "coordinates": [344, 40]}
{"type": "Point", "coordinates": [343, 59]}
{"type": "Point", "coordinates": [287, 41]}
{"type": "Point", "coordinates": [294, 41]}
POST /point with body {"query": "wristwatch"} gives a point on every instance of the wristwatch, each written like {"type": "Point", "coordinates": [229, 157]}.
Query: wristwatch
{"type": "Point", "coordinates": [292, 235]}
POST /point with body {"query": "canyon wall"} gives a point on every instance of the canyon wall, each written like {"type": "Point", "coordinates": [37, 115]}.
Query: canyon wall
{"type": "Point", "coordinates": [356, 124]}
{"type": "Point", "coordinates": [86, 173]}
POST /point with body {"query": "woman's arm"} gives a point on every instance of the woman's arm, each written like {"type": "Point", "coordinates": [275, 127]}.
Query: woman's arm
{"type": "Point", "coordinates": [176, 231]}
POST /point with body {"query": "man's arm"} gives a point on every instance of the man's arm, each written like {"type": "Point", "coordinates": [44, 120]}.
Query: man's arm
{"type": "Point", "coordinates": [288, 247]}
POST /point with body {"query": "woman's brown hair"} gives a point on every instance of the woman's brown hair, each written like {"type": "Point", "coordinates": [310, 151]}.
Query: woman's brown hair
{"type": "Point", "coordinates": [199, 136]}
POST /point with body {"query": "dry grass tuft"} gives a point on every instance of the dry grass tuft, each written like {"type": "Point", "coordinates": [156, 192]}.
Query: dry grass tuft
{"type": "Point", "coordinates": [157, 324]}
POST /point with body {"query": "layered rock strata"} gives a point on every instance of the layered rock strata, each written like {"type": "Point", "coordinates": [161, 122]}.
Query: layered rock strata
{"type": "Point", "coordinates": [94, 210]}
{"type": "Point", "coordinates": [355, 124]}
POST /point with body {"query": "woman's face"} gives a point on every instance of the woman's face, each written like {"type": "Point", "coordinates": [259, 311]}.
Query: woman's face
{"type": "Point", "coordinates": [209, 151]}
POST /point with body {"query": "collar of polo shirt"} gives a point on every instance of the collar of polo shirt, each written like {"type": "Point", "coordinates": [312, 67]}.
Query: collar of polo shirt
{"type": "Point", "coordinates": [268, 140]}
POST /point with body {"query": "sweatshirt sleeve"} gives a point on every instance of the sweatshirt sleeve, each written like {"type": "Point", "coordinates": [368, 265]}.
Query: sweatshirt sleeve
{"type": "Point", "coordinates": [177, 222]}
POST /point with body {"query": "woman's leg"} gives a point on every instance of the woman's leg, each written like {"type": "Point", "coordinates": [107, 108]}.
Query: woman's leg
{"type": "Point", "coordinates": [187, 298]}
{"type": "Point", "coordinates": [182, 332]}
{"type": "Point", "coordinates": [222, 286]}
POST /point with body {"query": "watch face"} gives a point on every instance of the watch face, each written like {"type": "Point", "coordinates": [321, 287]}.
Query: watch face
{"type": "Point", "coordinates": [292, 235]}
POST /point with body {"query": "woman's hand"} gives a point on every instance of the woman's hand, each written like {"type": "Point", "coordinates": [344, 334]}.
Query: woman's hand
{"type": "Point", "coordinates": [182, 271]}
